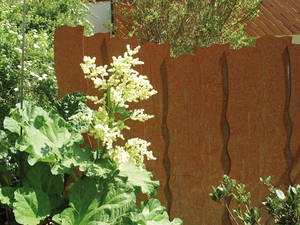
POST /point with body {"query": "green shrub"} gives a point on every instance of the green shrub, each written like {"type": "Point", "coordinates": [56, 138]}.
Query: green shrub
{"type": "Point", "coordinates": [187, 23]}
{"type": "Point", "coordinates": [285, 210]}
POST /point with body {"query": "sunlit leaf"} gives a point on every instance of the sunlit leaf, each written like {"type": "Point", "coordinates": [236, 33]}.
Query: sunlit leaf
{"type": "Point", "coordinates": [30, 206]}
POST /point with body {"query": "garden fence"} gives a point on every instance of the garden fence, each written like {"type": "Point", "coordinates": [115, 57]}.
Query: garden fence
{"type": "Point", "coordinates": [219, 111]}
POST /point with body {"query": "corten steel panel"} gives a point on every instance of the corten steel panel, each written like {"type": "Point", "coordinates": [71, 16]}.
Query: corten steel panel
{"type": "Point", "coordinates": [195, 96]}
{"type": "Point", "coordinates": [256, 110]}
{"type": "Point", "coordinates": [274, 108]}
{"type": "Point", "coordinates": [215, 161]}
{"type": "Point", "coordinates": [294, 54]}
{"type": "Point", "coordinates": [68, 50]}
{"type": "Point", "coordinates": [117, 46]}
{"type": "Point", "coordinates": [244, 114]}
{"type": "Point", "coordinates": [214, 78]}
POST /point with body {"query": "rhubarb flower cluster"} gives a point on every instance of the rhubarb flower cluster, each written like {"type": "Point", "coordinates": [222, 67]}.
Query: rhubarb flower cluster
{"type": "Point", "coordinates": [120, 84]}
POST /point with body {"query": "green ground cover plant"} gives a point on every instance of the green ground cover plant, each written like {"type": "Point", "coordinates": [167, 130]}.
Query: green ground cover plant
{"type": "Point", "coordinates": [284, 209]}
{"type": "Point", "coordinates": [185, 24]}
{"type": "Point", "coordinates": [34, 181]}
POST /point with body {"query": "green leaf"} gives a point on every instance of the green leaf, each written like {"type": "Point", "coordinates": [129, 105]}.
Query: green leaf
{"type": "Point", "coordinates": [7, 196]}
{"type": "Point", "coordinates": [67, 217]}
{"type": "Point", "coordinates": [280, 194]}
{"type": "Point", "coordinates": [83, 158]}
{"type": "Point", "coordinates": [39, 177]}
{"type": "Point", "coordinates": [94, 201]}
{"type": "Point", "coordinates": [123, 112]}
{"type": "Point", "coordinates": [292, 191]}
{"type": "Point", "coordinates": [153, 213]}
{"type": "Point", "coordinates": [140, 178]}
{"type": "Point", "coordinates": [11, 125]}
{"type": "Point", "coordinates": [30, 206]}
{"type": "Point", "coordinates": [51, 130]}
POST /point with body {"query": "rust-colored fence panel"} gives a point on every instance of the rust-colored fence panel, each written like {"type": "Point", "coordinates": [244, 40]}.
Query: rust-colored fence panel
{"type": "Point", "coordinates": [195, 157]}
{"type": "Point", "coordinates": [293, 71]}
{"type": "Point", "coordinates": [256, 108]}
{"type": "Point", "coordinates": [68, 54]}
{"type": "Point", "coordinates": [244, 115]}
{"type": "Point", "coordinates": [217, 112]}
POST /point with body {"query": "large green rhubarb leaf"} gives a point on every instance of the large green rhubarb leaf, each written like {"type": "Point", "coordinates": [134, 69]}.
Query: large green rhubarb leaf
{"type": "Point", "coordinates": [139, 177]}
{"type": "Point", "coordinates": [153, 213]}
{"type": "Point", "coordinates": [45, 135]}
{"type": "Point", "coordinates": [40, 178]}
{"type": "Point", "coordinates": [48, 138]}
{"type": "Point", "coordinates": [83, 158]}
{"type": "Point", "coordinates": [94, 202]}
{"type": "Point", "coordinates": [30, 206]}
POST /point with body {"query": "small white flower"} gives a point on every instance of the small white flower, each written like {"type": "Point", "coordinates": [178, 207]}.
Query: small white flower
{"type": "Point", "coordinates": [118, 155]}
{"type": "Point", "coordinates": [138, 114]}
{"type": "Point", "coordinates": [34, 74]}
{"type": "Point", "coordinates": [19, 50]}
{"type": "Point", "coordinates": [36, 46]}
{"type": "Point", "coordinates": [16, 89]}
{"type": "Point", "coordinates": [28, 63]}
{"type": "Point", "coordinates": [12, 32]}
{"type": "Point", "coordinates": [98, 81]}
{"type": "Point", "coordinates": [137, 149]}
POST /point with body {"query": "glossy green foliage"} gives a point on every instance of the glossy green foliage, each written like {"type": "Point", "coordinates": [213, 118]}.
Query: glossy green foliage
{"type": "Point", "coordinates": [244, 212]}
{"type": "Point", "coordinates": [283, 207]}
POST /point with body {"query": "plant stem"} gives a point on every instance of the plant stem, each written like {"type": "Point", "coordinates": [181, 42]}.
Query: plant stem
{"type": "Point", "coordinates": [109, 103]}
{"type": "Point", "coordinates": [98, 148]}
{"type": "Point", "coordinates": [230, 212]}
{"type": "Point", "coordinates": [5, 179]}
{"type": "Point", "coordinates": [74, 175]}
{"type": "Point", "coordinates": [21, 159]}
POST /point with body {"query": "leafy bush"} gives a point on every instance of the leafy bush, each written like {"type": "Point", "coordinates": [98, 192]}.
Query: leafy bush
{"type": "Point", "coordinates": [186, 23]}
{"type": "Point", "coordinates": [45, 152]}
{"type": "Point", "coordinates": [284, 210]}
{"type": "Point", "coordinates": [41, 20]}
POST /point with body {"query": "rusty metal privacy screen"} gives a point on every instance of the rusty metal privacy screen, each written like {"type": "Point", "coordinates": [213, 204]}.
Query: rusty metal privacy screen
{"type": "Point", "coordinates": [217, 111]}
